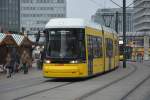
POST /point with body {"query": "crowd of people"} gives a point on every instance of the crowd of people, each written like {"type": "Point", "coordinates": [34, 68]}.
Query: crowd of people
{"type": "Point", "coordinates": [15, 62]}
{"type": "Point", "coordinates": [140, 56]}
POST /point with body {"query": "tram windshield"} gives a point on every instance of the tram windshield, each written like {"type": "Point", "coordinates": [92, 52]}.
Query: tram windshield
{"type": "Point", "coordinates": [65, 44]}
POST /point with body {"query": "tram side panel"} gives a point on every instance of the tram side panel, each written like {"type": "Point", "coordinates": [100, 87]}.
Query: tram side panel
{"type": "Point", "coordinates": [109, 56]}
{"type": "Point", "coordinates": [94, 44]}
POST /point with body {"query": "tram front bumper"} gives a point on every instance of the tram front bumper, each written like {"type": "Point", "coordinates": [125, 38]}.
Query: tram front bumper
{"type": "Point", "coordinates": [63, 71]}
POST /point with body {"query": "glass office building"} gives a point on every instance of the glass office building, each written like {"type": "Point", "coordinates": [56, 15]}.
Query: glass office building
{"type": "Point", "coordinates": [32, 15]}
{"type": "Point", "coordinates": [107, 17]}
{"type": "Point", "coordinates": [9, 15]}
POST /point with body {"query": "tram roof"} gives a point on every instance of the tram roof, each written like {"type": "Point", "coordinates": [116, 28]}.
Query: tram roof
{"type": "Point", "coordinates": [75, 23]}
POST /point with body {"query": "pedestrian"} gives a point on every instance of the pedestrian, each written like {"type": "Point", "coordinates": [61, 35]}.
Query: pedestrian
{"type": "Point", "coordinates": [42, 53]}
{"type": "Point", "coordinates": [139, 57]}
{"type": "Point", "coordinates": [17, 62]}
{"type": "Point", "coordinates": [24, 59]}
{"type": "Point", "coordinates": [142, 54]}
{"type": "Point", "coordinates": [13, 59]}
{"type": "Point", "coordinates": [8, 65]}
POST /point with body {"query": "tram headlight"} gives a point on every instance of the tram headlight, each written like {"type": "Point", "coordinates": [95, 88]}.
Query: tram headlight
{"type": "Point", "coordinates": [47, 61]}
{"type": "Point", "coordinates": [74, 61]}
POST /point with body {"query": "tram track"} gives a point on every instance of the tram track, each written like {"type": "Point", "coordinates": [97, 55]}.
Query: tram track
{"type": "Point", "coordinates": [21, 87]}
{"type": "Point", "coordinates": [136, 87]}
{"type": "Point", "coordinates": [107, 85]}
{"type": "Point", "coordinates": [85, 95]}
{"type": "Point", "coordinates": [22, 80]}
{"type": "Point", "coordinates": [44, 90]}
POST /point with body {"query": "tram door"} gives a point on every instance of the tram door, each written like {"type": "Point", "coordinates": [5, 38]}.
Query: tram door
{"type": "Point", "coordinates": [90, 55]}
{"type": "Point", "coordinates": [109, 54]}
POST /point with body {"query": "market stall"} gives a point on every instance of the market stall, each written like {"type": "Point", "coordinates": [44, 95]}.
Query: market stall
{"type": "Point", "coordinates": [14, 42]}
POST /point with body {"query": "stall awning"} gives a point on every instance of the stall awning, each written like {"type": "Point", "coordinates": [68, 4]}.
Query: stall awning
{"type": "Point", "coordinates": [2, 36]}
{"type": "Point", "coordinates": [18, 38]}
{"type": "Point", "coordinates": [14, 39]}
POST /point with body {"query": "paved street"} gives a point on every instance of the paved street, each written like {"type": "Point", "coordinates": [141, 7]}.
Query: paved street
{"type": "Point", "coordinates": [131, 83]}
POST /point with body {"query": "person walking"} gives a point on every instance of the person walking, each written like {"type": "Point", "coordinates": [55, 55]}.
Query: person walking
{"type": "Point", "coordinates": [25, 57]}
{"type": "Point", "coordinates": [42, 56]}
{"type": "Point", "coordinates": [139, 56]}
{"type": "Point", "coordinates": [8, 65]}
{"type": "Point", "coordinates": [13, 59]}
{"type": "Point", "coordinates": [17, 62]}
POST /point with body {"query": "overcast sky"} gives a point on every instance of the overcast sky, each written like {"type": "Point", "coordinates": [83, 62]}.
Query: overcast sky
{"type": "Point", "coordinates": [86, 8]}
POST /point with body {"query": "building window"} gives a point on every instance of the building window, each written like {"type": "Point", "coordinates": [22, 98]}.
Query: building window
{"type": "Point", "coordinates": [41, 22]}
{"type": "Point", "coordinates": [60, 1]}
{"type": "Point", "coordinates": [27, 1]}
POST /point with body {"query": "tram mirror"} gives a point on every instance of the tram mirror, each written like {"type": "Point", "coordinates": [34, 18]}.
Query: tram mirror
{"type": "Point", "coordinates": [46, 34]}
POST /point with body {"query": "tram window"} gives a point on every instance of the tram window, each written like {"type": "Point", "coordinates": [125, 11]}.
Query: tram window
{"type": "Point", "coordinates": [109, 47]}
{"type": "Point", "coordinates": [90, 48]}
{"type": "Point", "coordinates": [95, 46]}
{"type": "Point", "coordinates": [99, 43]}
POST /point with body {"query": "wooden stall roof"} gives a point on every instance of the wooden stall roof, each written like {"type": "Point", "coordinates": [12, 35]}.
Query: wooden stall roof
{"type": "Point", "coordinates": [14, 39]}
{"type": "Point", "coordinates": [27, 42]}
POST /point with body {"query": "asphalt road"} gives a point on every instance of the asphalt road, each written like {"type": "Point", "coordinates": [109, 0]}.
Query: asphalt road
{"type": "Point", "coordinates": [120, 84]}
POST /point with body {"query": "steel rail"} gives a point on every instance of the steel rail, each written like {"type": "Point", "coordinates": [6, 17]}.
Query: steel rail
{"type": "Point", "coordinates": [136, 87]}
{"type": "Point", "coordinates": [44, 90]}
{"type": "Point", "coordinates": [107, 85]}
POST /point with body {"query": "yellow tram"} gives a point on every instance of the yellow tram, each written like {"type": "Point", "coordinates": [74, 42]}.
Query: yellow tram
{"type": "Point", "coordinates": [75, 48]}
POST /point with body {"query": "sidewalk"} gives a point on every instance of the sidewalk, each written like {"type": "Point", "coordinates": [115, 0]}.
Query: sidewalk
{"type": "Point", "coordinates": [32, 74]}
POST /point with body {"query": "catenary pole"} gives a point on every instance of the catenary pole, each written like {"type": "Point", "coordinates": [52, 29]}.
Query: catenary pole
{"type": "Point", "coordinates": [124, 33]}
{"type": "Point", "coordinates": [116, 22]}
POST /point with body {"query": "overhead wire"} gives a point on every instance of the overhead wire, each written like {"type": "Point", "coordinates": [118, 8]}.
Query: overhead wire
{"type": "Point", "coordinates": [93, 1]}
{"type": "Point", "coordinates": [132, 3]}
{"type": "Point", "coordinates": [116, 3]}
{"type": "Point", "coordinates": [128, 6]}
